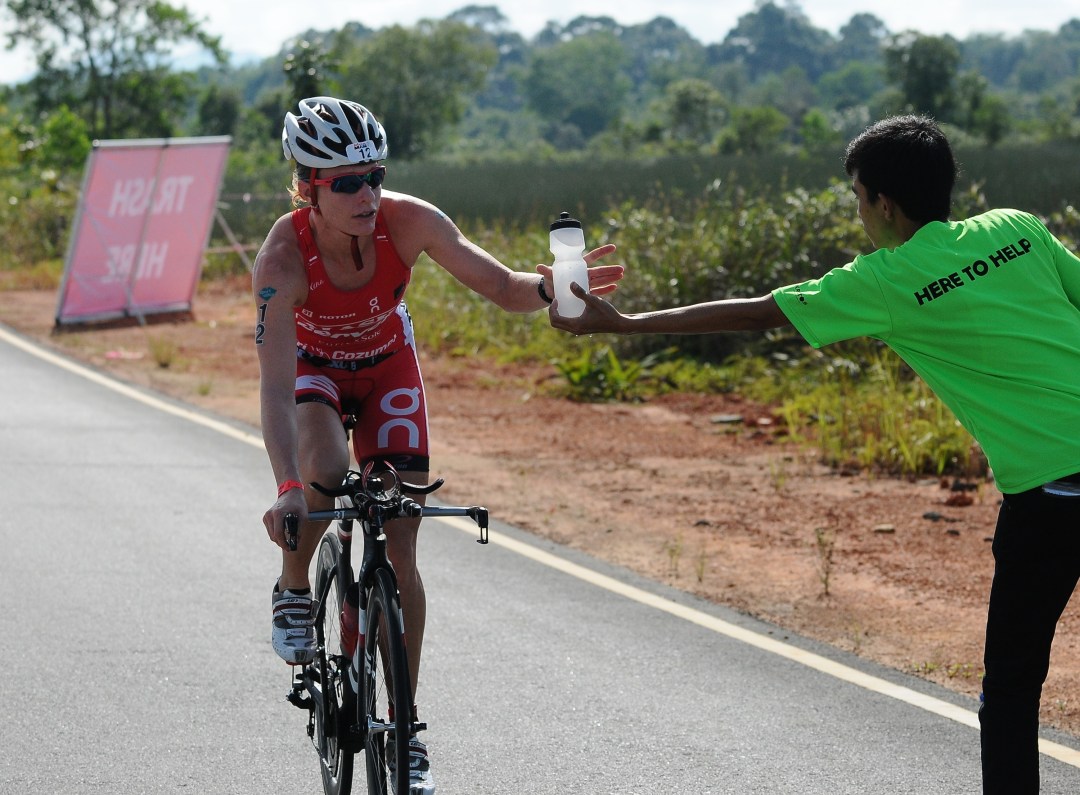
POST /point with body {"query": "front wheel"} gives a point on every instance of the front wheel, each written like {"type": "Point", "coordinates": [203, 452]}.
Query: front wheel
{"type": "Point", "coordinates": [335, 710]}
{"type": "Point", "coordinates": [387, 694]}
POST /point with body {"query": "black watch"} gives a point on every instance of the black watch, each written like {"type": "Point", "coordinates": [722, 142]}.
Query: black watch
{"type": "Point", "coordinates": [547, 299]}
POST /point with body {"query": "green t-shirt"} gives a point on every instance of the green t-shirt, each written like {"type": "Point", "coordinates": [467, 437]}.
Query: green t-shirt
{"type": "Point", "coordinates": [987, 311]}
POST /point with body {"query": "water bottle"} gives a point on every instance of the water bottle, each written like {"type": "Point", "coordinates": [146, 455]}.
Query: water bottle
{"type": "Point", "coordinates": [568, 246]}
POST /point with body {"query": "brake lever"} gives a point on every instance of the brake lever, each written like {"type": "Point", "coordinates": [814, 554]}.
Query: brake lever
{"type": "Point", "coordinates": [292, 530]}
{"type": "Point", "coordinates": [480, 516]}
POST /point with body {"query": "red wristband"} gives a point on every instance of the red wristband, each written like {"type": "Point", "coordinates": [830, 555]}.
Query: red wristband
{"type": "Point", "coordinates": [289, 484]}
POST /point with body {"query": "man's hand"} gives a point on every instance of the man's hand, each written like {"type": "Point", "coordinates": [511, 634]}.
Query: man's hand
{"type": "Point", "coordinates": [598, 316]}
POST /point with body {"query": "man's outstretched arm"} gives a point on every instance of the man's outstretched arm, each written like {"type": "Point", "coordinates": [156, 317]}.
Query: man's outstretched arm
{"type": "Point", "coordinates": [734, 314]}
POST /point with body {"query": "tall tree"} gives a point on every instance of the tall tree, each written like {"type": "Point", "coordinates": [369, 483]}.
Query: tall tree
{"type": "Point", "coordinates": [500, 88]}
{"type": "Point", "coordinates": [305, 69]}
{"type": "Point", "coordinates": [861, 39]}
{"type": "Point", "coordinates": [924, 68]}
{"type": "Point", "coordinates": [753, 129]}
{"type": "Point", "coordinates": [852, 85]}
{"type": "Point", "coordinates": [110, 61]}
{"type": "Point", "coordinates": [581, 82]}
{"type": "Point", "coordinates": [772, 38]}
{"type": "Point", "coordinates": [218, 110]}
{"type": "Point", "coordinates": [994, 56]}
{"type": "Point", "coordinates": [694, 110]}
{"type": "Point", "coordinates": [661, 53]}
{"type": "Point", "coordinates": [425, 76]}
{"type": "Point", "coordinates": [978, 111]}
{"type": "Point", "coordinates": [486, 18]}
{"type": "Point", "coordinates": [578, 27]}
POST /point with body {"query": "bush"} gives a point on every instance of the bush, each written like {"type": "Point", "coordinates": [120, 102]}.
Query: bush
{"type": "Point", "coordinates": [727, 245]}
{"type": "Point", "coordinates": [36, 221]}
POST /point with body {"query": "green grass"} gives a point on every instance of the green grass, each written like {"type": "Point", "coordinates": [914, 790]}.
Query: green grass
{"type": "Point", "coordinates": [864, 410]}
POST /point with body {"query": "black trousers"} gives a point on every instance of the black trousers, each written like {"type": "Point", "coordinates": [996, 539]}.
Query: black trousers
{"type": "Point", "coordinates": [1036, 567]}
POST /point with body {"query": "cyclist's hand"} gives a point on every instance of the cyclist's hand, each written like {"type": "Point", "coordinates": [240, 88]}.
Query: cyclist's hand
{"type": "Point", "coordinates": [291, 502]}
{"type": "Point", "coordinates": [603, 279]}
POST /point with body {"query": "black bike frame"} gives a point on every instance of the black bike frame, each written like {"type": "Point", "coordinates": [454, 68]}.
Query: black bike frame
{"type": "Point", "coordinates": [372, 509]}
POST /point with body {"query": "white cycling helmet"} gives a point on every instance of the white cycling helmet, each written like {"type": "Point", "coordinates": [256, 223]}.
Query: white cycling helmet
{"type": "Point", "coordinates": [332, 132]}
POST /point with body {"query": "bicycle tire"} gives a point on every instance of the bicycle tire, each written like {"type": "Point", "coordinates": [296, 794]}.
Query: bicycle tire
{"type": "Point", "coordinates": [335, 711]}
{"type": "Point", "coordinates": [386, 683]}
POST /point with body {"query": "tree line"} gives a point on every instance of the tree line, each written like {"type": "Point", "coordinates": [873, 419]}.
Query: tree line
{"type": "Point", "coordinates": [467, 87]}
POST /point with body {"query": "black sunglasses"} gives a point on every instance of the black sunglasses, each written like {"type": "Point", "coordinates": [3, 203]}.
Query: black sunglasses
{"type": "Point", "coordinates": [352, 183]}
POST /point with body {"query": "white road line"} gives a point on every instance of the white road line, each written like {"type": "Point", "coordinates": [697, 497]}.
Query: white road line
{"type": "Point", "coordinates": [866, 681]}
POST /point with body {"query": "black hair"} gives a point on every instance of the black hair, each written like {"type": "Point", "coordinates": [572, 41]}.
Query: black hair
{"type": "Point", "coordinates": [908, 158]}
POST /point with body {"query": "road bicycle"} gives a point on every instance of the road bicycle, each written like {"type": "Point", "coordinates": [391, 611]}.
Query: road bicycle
{"type": "Point", "coordinates": [363, 703]}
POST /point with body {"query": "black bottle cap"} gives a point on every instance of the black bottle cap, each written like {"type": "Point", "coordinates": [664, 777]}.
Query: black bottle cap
{"type": "Point", "coordinates": [565, 222]}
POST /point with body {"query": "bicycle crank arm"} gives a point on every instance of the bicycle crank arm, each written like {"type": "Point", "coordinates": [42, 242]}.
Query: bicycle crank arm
{"type": "Point", "coordinates": [300, 695]}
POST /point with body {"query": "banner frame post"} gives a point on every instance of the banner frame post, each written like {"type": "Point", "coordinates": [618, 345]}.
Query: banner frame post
{"type": "Point", "coordinates": [140, 247]}
{"type": "Point", "coordinates": [76, 223]}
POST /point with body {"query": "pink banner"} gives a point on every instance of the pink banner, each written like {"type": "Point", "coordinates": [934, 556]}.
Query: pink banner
{"type": "Point", "coordinates": [143, 222]}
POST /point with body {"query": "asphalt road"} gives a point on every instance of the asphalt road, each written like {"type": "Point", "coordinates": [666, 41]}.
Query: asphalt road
{"type": "Point", "coordinates": [135, 635]}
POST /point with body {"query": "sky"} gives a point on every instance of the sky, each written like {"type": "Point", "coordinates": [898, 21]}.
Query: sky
{"type": "Point", "coordinates": [253, 29]}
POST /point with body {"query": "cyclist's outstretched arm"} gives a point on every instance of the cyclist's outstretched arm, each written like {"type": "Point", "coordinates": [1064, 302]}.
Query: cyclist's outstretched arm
{"type": "Point", "coordinates": [481, 272]}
